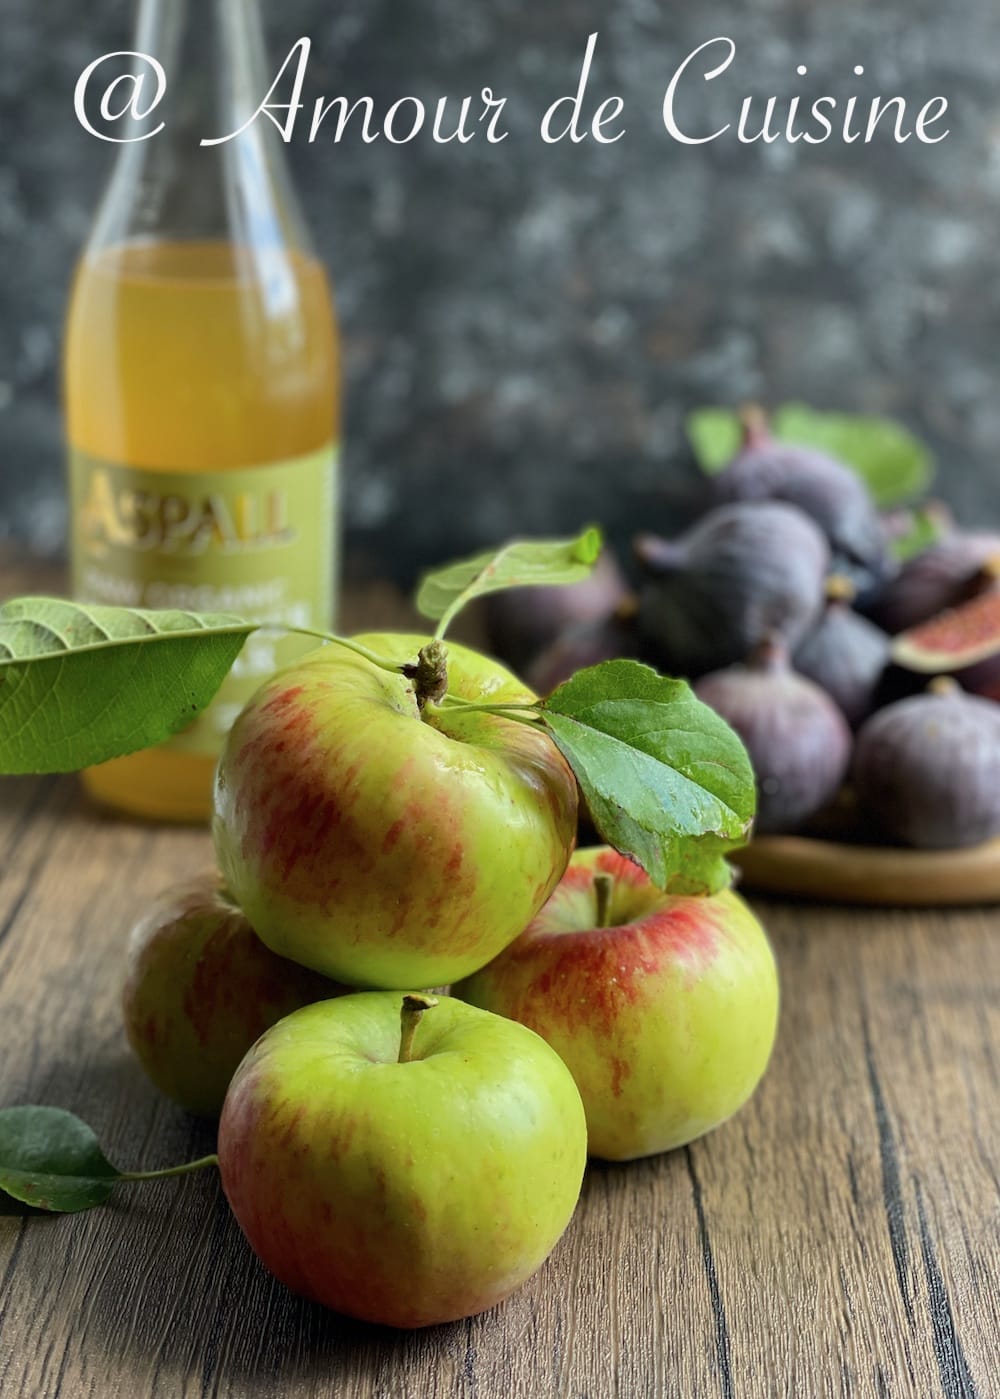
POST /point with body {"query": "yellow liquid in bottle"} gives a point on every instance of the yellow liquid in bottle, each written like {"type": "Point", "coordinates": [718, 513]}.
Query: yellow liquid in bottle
{"type": "Point", "coordinates": [193, 358]}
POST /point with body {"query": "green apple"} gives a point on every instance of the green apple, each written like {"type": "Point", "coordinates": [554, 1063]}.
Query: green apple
{"type": "Point", "coordinates": [664, 1008]}
{"type": "Point", "coordinates": [402, 1167]}
{"type": "Point", "coordinates": [200, 988]}
{"type": "Point", "coordinates": [382, 843]}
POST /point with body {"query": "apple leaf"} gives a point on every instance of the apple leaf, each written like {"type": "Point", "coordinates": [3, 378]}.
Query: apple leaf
{"type": "Point", "coordinates": [522, 563]}
{"type": "Point", "coordinates": [80, 685]}
{"type": "Point", "coordinates": [51, 1160]}
{"type": "Point", "coordinates": [894, 464]}
{"type": "Point", "coordinates": [666, 779]}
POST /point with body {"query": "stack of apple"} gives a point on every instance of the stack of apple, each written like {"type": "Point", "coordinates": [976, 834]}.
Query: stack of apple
{"type": "Point", "coordinates": [403, 1156]}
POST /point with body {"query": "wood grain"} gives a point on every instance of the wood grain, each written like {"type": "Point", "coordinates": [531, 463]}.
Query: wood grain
{"type": "Point", "coordinates": [840, 1237]}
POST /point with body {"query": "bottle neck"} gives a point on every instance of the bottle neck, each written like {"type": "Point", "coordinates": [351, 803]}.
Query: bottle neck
{"type": "Point", "coordinates": [215, 55]}
{"type": "Point", "coordinates": [171, 186]}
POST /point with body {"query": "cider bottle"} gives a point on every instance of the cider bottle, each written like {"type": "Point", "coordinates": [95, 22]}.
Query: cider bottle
{"type": "Point", "coordinates": [202, 385]}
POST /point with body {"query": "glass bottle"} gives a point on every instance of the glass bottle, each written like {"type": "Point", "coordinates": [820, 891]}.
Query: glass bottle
{"type": "Point", "coordinates": [202, 384]}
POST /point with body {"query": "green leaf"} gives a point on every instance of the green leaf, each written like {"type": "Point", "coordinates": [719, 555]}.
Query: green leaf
{"type": "Point", "coordinates": [666, 779]}
{"type": "Point", "coordinates": [80, 685]}
{"type": "Point", "coordinates": [895, 465]}
{"type": "Point", "coordinates": [715, 435]}
{"type": "Point", "coordinates": [51, 1160]}
{"type": "Point", "coordinates": [522, 563]}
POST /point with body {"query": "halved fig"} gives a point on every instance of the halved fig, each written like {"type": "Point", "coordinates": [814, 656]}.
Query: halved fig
{"type": "Point", "coordinates": [963, 636]}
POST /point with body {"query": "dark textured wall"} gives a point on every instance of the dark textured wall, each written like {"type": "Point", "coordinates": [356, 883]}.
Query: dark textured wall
{"type": "Point", "coordinates": [525, 325]}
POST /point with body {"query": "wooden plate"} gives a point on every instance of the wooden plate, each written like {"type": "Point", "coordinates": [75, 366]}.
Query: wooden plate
{"type": "Point", "coordinates": [869, 874]}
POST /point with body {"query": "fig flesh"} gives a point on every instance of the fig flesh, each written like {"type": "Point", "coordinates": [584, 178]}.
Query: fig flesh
{"type": "Point", "coordinates": [798, 740]}
{"type": "Point", "coordinates": [744, 572]}
{"type": "Point", "coordinates": [960, 637]}
{"type": "Point", "coordinates": [845, 654]}
{"type": "Point", "coordinates": [928, 769]}
{"type": "Point", "coordinates": [825, 489]}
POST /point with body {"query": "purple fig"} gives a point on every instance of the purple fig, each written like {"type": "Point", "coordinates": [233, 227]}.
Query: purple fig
{"type": "Point", "coordinates": [523, 621]}
{"type": "Point", "coordinates": [797, 738]}
{"type": "Point", "coordinates": [845, 654]}
{"type": "Point", "coordinates": [586, 644]}
{"type": "Point", "coordinates": [744, 572]}
{"type": "Point", "coordinates": [982, 679]}
{"type": "Point", "coordinates": [825, 489]}
{"type": "Point", "coordinates": [928, 768]}
{"type": "Point", "coordinates": [943, 576]}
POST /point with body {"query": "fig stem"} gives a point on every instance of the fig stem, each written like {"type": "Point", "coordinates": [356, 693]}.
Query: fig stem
{"type": "Point", "coordinates": [410, 1017]}
{"type": "Point", "coordinates": [658, 556]}
{"type": "Point", "coordinates": [184, 1170]}
{"type": "Point", "coordinates": [989, 574]}
{"type": "Point", "coordinates": [756, 425]}
{"type": "Point", "coordinates": [944, 685]}
{"type": "Point", "coordinates": [839, 588]}
{"type": "Point", "coordinates": [770, 654]}
{"type": "Point", "coordinates": [604, 888]}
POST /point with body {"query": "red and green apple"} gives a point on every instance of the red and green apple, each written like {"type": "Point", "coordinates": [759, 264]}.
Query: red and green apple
{"type": "Point", "coordinates": [665, 1008]}
{"type": "Point", "coordinates": [200, 988]}
{"type": "Point", "coordinates": [405, 1160]}
{"type": "Point", "coordinates": [385, 843]}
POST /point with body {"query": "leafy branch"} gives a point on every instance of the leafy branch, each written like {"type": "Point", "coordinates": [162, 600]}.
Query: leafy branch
{"type": "Point", "coordinates": [665, 779]}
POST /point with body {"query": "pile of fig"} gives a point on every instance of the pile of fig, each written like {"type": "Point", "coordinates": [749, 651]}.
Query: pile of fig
{"type": "Point", "coordinates": [819, 630]}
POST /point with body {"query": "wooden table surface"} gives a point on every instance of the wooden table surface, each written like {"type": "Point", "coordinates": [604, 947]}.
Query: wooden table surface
{"type": "Point", "coordinates": [841, 1236]}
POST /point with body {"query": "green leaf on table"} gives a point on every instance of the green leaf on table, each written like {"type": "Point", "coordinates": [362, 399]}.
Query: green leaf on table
{"type": "Point", "coordinates": [80, 685]}
{"type": "Point", "coordinates": [666, 779]}
{"type": "Point", "coordinates": [522, 563]}
{"type": "Point", "coordinates": [895, 465]}
{"type": "Point", "coordinates": [51, 1160]}
{"type": "Point", "coordinates": [715, 435]}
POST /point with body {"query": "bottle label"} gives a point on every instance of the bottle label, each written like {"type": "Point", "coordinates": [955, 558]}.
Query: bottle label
{"type": "Point", "coordinates": [260, 542]}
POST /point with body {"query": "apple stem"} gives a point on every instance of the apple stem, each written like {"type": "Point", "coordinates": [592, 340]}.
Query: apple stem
{"type": "Point", "coordinates": [412, 1014]}
{"type": "Point", "coordinates": [429, 674]}
{"type": "Point", "coordinates": [604, 887]}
